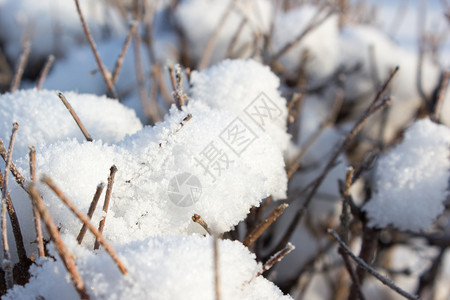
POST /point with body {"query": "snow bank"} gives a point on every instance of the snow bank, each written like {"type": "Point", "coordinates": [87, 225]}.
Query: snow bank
{"type": "Point", "coordinates": [248, 89]}
{"type": "Point", "coordinates": [412, 179]}
{"type": "Point", "coordinates": [43, 118]}
{"type": "Point", "coordinates": [166, 267]}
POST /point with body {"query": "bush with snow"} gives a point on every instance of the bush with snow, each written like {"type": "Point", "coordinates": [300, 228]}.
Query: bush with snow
{"type": "Point", "coordinates": [412, 179]}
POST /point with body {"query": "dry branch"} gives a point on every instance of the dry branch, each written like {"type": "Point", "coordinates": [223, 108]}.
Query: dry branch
{"type": "Point", "coordinates": [105, 73]}
{"type": "Point", "coordinates": [199, 220]}
{"type": "Point", "coordinates": [7, 264]}
{"type": "Point", "coordinates": [57, 241]}
{"type": "Point", "coordinates": [216, 266]}
{"type": "Point", "coordinates": [19, 178]}
{"type": "Point", "coordinates": [101, 225]}
{"type": "Point", "coordinates": [20, 67]}
{"type": "Point", "coordinates": [91, 210]}
{"type": "Point", "coordinates": [276, 258]}
{"type": "Point", "coordinates": [83, 218]}
{"type": "Point", "coordinates": [124, 50]}
{"type": "Point", "coordinates": [262, 227]}
{"type": "Point", "coordinates": [374, 107]}
{"type": "Point", "coordinates": [75, 116]}
{"type": "Point", "coordinates": [45, 71]}
{"type": "Point", "coordinates": [371, 270]}
{"type": "Point", "coordinates": [209, 49]}
{"type": "Point", "coordinates": [36, 215]}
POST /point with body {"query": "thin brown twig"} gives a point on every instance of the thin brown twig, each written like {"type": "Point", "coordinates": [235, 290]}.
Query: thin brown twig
{"type": "Point", "coordinates": [209, 49]}
{"type": "Point", "coordinates": [91, 210]}
{"type": "Point", "coordinates": [20, 67]}
{"type": "Point", "coordinates": [216, 266]}
{"type": "Point", "coordinates": [83, 218]}
{"type": "Point", "coordinates": [103, 70]}
{"type": "Point", "coordinates": [315, 136]}
{"type": "Point", "coordinates": [36, 215]}
{"type": "Point", "coordinates": [101, 225]}
{"type": "Point", "coordinates": [45, 70]}
{"type": "Point", "coordinates": [375, 106]}
{"type": "Point", "coordinates": [176, 80]}
{"type": "Point", "coordinates": [276, 258]}
{"type": "Point", "coordinates": [369, 269]}
{"type": "Point", "coordinates": [75, 116]}
{"type": "Point", "coordinates": [262, 227]}
{"type": "Point", "coordinates": [440, 97]}
{"type": "Point", "coordinates": [199, 220]}
{"type": "Point", "coordinates": [7, 263]}
{"type": "Point", "coordinates": [19, 178]}
{"type": "Point", "coordinates": [159, 78]}
{"type": "Point", "coordinates": [124, 50]}
{"type": "Point", "coordinates": [235, 38]}
{"type": "Point", "coordinates": [57, 241]}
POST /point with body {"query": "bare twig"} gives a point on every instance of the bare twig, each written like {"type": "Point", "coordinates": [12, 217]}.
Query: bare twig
{"type": "Point", "coordinates": [176, 80]}
{"type": "Point", "coordinates": [75, 116]}
{"type": "Point", "coordinates": [276, 258]}
{"type": "Point", "coordinates": [45, 70]}
{"type": "Point", "coordinates": [209, 49]}
{"type": "Point", "coordinates": [19, 178]}
{"type": "Point", "coordinates": [315, 136]}
{"type": "Point", "coordinates": [159, 79]}
{"type": "Point", "coordinates": [57, 241]}
{"type": "Point", "coordinates": [20, 67]}
{"type": "Point", "coordinates": [235, 38]}
{"type": "Point", "coordinates": [101, 225]}
{"type": "Point", "coordinates": [105, 73]}
{"type": "Point", "coordinates": [440, 97]}
{"type": "Point", "coordinates": [345, 218]}
{"type": "Point", "coordinates": [371, 270]}
{"type": "Point", "coordinates": [422, 12]}
{"type": "Point", "coordinates": [375, 106]}
{"type": "Point", "coordinates": [124, 50]}
{"type": "Point", "coordinates": [91, 210]}
{"type": "Point", "coordinates": [199, 220]}
{"type": "Point", "coordinates": [83, 218]}
{"type": "Point", "coordinates": [262, 227]}
{"type": "Point", "coordinates": [7, 264]}
{"type": "Point", "coordinates": [36, 215]}
{"type": "Point", "coordinates": [428, 278]}
{"type": "Point", "coordinates": [216, 266]}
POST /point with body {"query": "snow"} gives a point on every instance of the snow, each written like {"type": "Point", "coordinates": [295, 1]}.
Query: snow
{"type": "Point", "coordinates": [164, 267]}
{"type": "Point", "coordinates": [147, 161]}
{"type": "Point", "coordinates": [43, 118]}
{"type": "Point", "coordinates": [412, 179]}
{"type": "Point", "coordinates": [53, 27]}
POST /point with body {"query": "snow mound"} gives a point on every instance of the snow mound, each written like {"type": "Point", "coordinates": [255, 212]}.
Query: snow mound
{"type": "Point", "coordinates": [234, 175]}
{"type": "Point", "coordinates": [43, 118]}
{"type": "Point", "coordinates": [166, 267]}
{"type": "Point", "coordinates": [248, 89]}
{"type": "Point", "coordinates": [412, 179]}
